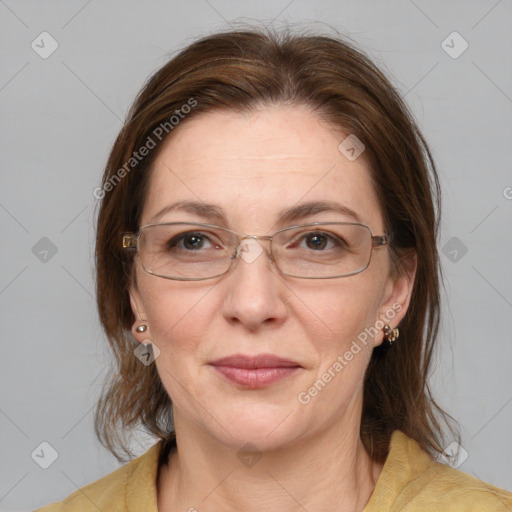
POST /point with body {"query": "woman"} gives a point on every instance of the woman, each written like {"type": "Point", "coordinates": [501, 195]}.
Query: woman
{"type": "Point", "coordinates": [267, 269]}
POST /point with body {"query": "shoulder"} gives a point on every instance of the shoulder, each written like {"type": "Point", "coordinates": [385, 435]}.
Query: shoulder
{"type": "Point", "coordinates": [412, 481]}
{"type": "Point", "coordinates": [455, 490]}
{"type": "Point", "coordinates": [119, 491]}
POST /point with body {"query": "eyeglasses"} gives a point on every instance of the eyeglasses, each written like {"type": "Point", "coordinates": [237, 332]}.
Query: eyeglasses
{"type": "Point", "coordinates": [190, 251]}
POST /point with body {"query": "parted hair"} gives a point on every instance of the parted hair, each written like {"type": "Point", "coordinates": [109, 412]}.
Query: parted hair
{"type": "Point", "coordinates": [242, 70]}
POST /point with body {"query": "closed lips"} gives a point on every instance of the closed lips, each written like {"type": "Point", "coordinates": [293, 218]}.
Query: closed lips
{"type": "Point", "coordinates": [253, 362]}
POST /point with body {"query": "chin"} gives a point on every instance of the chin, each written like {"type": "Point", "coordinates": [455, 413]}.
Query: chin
{"type": "Point", "coordinates": [265, 427]}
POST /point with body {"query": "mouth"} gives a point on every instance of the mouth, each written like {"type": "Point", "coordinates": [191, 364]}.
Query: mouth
{"type": "Point", "coordinates": [255, 372]}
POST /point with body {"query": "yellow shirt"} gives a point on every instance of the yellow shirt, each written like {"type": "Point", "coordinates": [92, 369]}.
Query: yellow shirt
{"type": "Point", "coordinates": [410, 481]}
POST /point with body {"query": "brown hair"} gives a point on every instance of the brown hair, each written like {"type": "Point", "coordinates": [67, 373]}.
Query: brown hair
{"type": "Point", "coordinates": [241, 70]}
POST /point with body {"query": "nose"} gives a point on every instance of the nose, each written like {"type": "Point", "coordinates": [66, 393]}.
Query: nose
{"type": "Point", "coordinates": [255, 292]}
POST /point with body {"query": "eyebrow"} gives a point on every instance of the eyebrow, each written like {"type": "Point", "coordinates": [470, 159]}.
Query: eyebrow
{"type": "Point", "coordinates": [213, 212]}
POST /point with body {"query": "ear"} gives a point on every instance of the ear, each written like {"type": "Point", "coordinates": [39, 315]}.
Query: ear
{"type": "Point", "coordinates": [140, 316]}
{"type": "Point", "coordinates": [398, 292]}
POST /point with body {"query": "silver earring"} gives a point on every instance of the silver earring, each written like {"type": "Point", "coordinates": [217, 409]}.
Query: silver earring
{"type": "Point", "coordinates": [142, 328]}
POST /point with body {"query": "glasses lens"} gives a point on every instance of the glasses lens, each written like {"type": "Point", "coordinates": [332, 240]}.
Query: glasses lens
{"type": "Point", "coordinates": [185, 251]}
{"type": "Point", "coordinates": [323, 250]}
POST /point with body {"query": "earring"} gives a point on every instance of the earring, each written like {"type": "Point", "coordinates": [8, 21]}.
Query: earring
{"type": "Point", "coordinates": [390, 335]}
{"type": "Point", "coordinates": [142, 328]}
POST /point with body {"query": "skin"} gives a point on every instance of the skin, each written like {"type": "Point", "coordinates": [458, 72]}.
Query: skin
{"type": "Point", "coordinates": [254, 165]}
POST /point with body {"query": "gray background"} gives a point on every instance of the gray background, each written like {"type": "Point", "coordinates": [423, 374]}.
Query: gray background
{"type": "Point", "coordinates": [59, 117]}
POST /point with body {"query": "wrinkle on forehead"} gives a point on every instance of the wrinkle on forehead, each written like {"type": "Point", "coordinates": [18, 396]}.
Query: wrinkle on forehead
{"type": "Point", "coordinates": [253, 166]}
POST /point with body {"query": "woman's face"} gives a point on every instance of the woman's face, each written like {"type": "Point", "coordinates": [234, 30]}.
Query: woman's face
{"type": "Point", "coordinates": [252, 167]}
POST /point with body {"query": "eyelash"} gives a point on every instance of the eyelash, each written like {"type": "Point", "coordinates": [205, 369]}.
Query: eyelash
{"type": "Point", "coordinates": [174, 242]}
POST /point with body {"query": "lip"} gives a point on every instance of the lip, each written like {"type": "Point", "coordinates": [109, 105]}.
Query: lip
{"type": "Point", "coordinates": [255, 372]}
{"type": "Point", "coordinates": [257, 361]}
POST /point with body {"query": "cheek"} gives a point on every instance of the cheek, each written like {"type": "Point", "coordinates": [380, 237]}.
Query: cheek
{"type": "Point", "coordinates": [338, 311]}
{"type": "Point", "coordinates": [176, 313]}
{"type": "Point", "coordinates": [338, 325]}
{"type": "Point", "coordinates": [178, 319]}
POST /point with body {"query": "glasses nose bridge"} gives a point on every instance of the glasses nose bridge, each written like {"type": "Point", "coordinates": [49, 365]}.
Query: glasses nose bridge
{"type": "Point", "coordinates": [241, 237]}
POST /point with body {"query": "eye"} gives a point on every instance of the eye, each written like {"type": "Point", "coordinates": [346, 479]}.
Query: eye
{"type": "Point", "coordinates": [316, 241]}
{"type": "Point", "coordinates": [320, 241]}
{"type": "Point", "coordinates": [191, 241]}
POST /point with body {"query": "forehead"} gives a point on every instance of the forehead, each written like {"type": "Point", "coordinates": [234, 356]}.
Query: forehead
{"type": "Point", "coordinates": [255, 164]}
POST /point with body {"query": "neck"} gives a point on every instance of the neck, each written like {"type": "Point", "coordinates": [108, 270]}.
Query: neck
{"type": "Point", "coordinates": [327, 471]}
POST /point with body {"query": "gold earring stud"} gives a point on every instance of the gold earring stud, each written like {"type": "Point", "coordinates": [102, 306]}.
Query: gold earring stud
{"type": "Point", "coordinates": [142, 328]}
{"type": "Point", "coordinates": [390, 335]}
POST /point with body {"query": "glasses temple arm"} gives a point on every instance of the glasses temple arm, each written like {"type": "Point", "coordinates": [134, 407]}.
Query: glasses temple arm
{"type": "Point", "coordinates": [378, 241]}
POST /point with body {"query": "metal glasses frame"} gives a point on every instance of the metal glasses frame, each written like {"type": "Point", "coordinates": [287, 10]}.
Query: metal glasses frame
{"type": "Point", "coordinates": [131, 243]}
